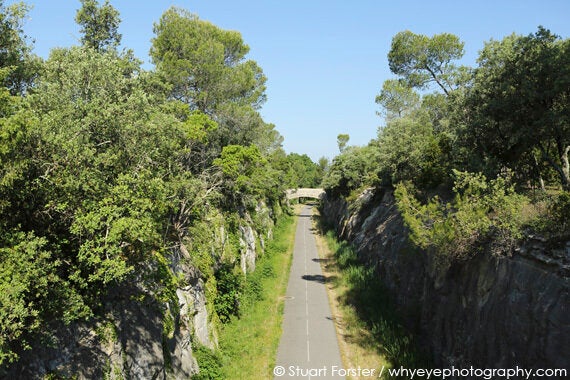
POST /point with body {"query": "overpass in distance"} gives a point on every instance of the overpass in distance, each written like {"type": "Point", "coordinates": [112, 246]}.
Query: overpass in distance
{"type": "Point", "coordinates": [305, 193]}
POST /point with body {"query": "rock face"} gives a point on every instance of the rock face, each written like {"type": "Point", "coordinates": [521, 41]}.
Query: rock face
{"type": "Point", "coordinates": [248, 249]}
{"type": "Point", "coordinates": [128, 344]}
{"type": "Point", "coordinates": [129, 339]}
{"type": "Point", "coordinates": [489, 312]}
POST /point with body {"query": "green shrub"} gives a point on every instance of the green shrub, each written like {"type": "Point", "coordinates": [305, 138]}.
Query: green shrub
{"type": "Point", "coordinates": [560, 212]}
{"type": "Point", "coordinates": [267, 271]}
{"type": "Point", "coordinates": [209, 363]}
{"type": "Point", "coordinates": [352, 169]}
{"type": "Point", "coordinates": [107, 332]}
{"type": "Point", "coordinates": [29, 287]}
{"type": "Point", "coordinates": [480, 210]}
{"type": "Point", "coordinates": [229, 285]}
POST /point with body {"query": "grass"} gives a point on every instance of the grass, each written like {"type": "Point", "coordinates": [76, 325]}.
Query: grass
{"type": "Point", "coordinates": [248, 344]}
{"type": "Point", "coordinates": [370, 331]}
{"type": "Point", "coordinates": [357, 345]}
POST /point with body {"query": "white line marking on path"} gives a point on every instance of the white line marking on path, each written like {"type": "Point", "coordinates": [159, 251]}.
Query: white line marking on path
{"type": "Point", "coordinates": [306, 289]}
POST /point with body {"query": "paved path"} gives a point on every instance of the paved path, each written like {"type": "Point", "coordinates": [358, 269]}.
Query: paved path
{"type": "Point", "coordinates": [309, 346]}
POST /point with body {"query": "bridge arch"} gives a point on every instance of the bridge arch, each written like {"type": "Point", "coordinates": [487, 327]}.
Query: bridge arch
{"type": "Point", "coordinates": [305, 193]}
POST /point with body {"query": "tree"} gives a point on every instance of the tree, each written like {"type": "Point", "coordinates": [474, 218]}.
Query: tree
{"type": "Point", "coordinates": [342, 140]}
{"type": "Point", "coordinates": [205, 65]}
{"type": "Point", "coordinates": [247, 174]}
{"type": "Point", "coordinates": [438, 109]}
{"type": "Point", "coordinates": [29, 286]}
{"type": "Point", "coordinates": [305, 171]}
{"type": "Point", "coordinates": [519, 103]}
{"type": "Point", "coordinates": [108, 169]}
{"type": "Point", "coordinates": [243, 125]}
{"type": "Point", "coordinates": [397, 99]}
{"type": "Point", "coordinates": [324, 165]}
{"type": "Point", "coordinates": [102, 173]}
{"type": "Point", "coordinates": [16, 58]}
{"type": "Point", "coordinates": [409, 150]}
{"type": "Point", "coordinates": [99, 25]}
{"type": "Point", "coordinates": [421, 60]}
{"type": "Point", "coordinates": [480, 210]}
{"type": "Point", "coordinates": [353, 168]}
{"type": "Point", "coordinates": [206, 69]}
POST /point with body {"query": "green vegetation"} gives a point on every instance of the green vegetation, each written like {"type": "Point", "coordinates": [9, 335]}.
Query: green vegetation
{"type": "Point", "coordinates": [351, 170]}
{"type": "Point", "coordinates": [303, 172]}
{"type": "Point", "coordinates": [114, 176]}
{"type": "Point", "coordinates": [342, 141]}
{"type": "Point", "coordinates": [369, 314]}
{"type": "Point", "coordinates": [248, 344]}
{"type": "Point", "coordinates": [480, 211]}
{"type": "Point", "coordinates": [475, 154]}
{"type": "Point", "coordinates": [229, 287]}
{"type": "Point", "coordinates": [210, 364]}
{"type": "Point", "coordinates": [18, 66]}
{"type": "Point", "coordinates": [99, 25]}
{"type": "Point", "coordinates": [524, 128]}
{"type": "Point", "coordinates": [109, 171]}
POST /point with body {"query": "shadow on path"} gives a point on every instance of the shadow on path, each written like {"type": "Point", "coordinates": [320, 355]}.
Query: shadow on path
{"type": "Point", "coordinates": [318, 278]}
{"type": "Point", "coordinates": [322, 260]}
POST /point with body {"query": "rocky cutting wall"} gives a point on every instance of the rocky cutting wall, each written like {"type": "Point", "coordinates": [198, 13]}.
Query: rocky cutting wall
{"type": "Point", "coordinates": [489, 312]}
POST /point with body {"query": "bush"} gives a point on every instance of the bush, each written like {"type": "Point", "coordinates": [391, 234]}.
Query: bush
{"type": "Point", "coordinates": [209, 363]}
{"type": "Point", "coordinates": [550, 214]}
{"type": "Point", "coordinates": [29, 287]}
{"type": "Point", "coordinates": [409, 149]}
{"type": "Point", "coordinates": [229, 285]}
{"type": "Point", "coordinates": [480, 210]}
{"type": "Point", "coordinates": [560, 212]}
{"type": "Point", "coordinates": [352, 169]}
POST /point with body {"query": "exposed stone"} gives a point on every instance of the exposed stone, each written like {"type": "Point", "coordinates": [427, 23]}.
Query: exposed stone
{"type": "Point", "coordinates": [194, 314]}
{"type": "Point", "coordinates": [248, 252]}
{"type": "Point", "coordinates": [79, 352]}
{"type": "Point", "coordinates": [489, 311]}
{"type": "Point", "coordinates": [128, 342]}
{"type": "Point", "coordinates": [140, 336]}
{"type": "Point", "coordinates": [64, 354]}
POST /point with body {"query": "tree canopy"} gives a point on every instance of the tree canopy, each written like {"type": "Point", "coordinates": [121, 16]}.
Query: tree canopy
{"type": "Point", "coordinates": [464, 160]}
{"type": "Point", "coordinates": [397, 99]}
{"type": "Point", "coordinates": [18, 65]}
{"type": "Point", "coordinates": [206, 68]}
{"type": "Point", "coordinates": [508, 113]}
{"type": "Point", "coordinates": [519, 101]}
{"type": "Point", "coordinates": [99, 25]}
{"type": "Point", "coordinates": [204, 64]}
{"type": "Point", "coordinates": [422, 60]}
{"type": "Point", "coordinates": [106, 169]}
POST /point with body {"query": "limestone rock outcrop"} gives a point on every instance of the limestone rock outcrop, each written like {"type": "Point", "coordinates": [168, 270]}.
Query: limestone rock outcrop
{"type": "Point", "coordinates": [136, 336]}
{"type": "Point", "coordinates": [490, 311]}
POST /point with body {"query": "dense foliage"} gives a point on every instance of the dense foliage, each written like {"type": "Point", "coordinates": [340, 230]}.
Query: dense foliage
{"type": "Point", "coordinates": [484, 138]}
{"type": "Point", "coordinates": [480, 211]}
{"type": "Point", "coordinates": [106, 169]}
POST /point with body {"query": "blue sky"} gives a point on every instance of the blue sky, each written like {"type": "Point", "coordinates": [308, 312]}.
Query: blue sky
{"type": "Point", "coordinates": [325, 60]}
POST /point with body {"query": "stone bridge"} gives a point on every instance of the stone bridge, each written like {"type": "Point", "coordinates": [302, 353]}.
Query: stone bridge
{"type": "Point", "coordinates": [305, 193]}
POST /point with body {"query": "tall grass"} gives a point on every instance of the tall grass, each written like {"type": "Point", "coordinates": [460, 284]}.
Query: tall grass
{"type": "Point", "coordinates": [374, 310]}
{"type": "Point", "coordinates": [248, 344]}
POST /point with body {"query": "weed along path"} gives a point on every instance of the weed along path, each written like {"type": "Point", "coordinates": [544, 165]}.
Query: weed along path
{"type": "Point", "coordinates": [309, 347]}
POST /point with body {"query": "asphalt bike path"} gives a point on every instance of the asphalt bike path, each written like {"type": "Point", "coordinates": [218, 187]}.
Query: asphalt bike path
{"type": "Point", "coordinates": [309, 347]}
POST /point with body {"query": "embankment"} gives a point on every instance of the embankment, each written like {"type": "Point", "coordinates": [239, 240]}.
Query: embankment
{"type": "Point", "coordinates": [487, 312]}
{"type": "Point", "coordinates": [140, 333]}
